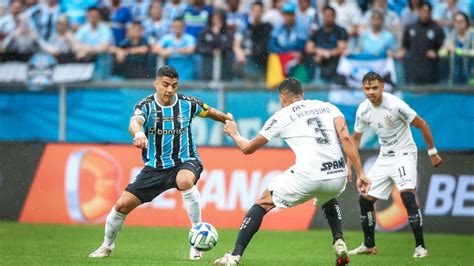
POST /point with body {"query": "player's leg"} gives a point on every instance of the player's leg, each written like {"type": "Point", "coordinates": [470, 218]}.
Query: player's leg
{"type": "Point", "coordinates": [114, 222]}
{"type": "Point", "coordinates": [250, 225]}
{"type": "Point", "coordinates": [380, 188]}
{"type": "Point", "coordinates": [186, 178]}
{"type": "Point", "coordinates": [416, 221]}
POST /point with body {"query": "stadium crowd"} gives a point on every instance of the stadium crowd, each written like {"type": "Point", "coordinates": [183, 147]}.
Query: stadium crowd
{"type": "Point", "coordinates": [431, 42]}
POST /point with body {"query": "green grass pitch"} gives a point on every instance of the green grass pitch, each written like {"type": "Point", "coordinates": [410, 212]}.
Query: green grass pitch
{"type": "Point", "coordinates": [28, 244]}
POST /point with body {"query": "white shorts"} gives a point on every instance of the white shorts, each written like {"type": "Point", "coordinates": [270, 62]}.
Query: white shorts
{"type": "Point", "coordinates": [387, 171]}
{"type": "Point", "coordinates": [288, 189]}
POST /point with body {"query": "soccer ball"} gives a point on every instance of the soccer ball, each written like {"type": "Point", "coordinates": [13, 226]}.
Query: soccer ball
{"type": "Point", "coordinates": [203, 236]}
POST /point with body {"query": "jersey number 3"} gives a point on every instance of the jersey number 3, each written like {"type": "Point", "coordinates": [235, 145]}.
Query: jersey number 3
{"type": "Point", "coordinates": [318, 128]}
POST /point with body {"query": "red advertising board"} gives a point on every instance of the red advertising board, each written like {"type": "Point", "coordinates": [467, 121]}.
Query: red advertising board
{"type": "Point", "coordinates": [77, 183]}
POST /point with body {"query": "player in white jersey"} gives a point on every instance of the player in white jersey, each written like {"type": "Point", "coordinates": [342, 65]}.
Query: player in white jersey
{"type": "Point", "coordinates": [314, 131]}
{"type": "Point", "coordinates": [390, 118]}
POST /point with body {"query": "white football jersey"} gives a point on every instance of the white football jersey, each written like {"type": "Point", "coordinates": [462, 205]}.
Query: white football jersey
{"type": "Point", "coordinates": [390, 121]}
{"type": "Point", "coordinates": [307, 126]}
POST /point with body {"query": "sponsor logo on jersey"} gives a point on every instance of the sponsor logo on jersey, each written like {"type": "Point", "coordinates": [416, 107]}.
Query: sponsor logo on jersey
{"type": "Point", "coordinates": [334, 166]}
{"type": "Point", "coordinates": [158, 131]}
{"type": "Point", "coordinates": [403, 114]}
{"type": "Point", "coordinates": [272, 123]}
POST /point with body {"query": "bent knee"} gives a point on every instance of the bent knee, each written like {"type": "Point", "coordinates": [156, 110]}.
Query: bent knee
{"type": "Point", "coordinates": [124, 206]}
{"type": "Point", "coordinates": [185, 183]}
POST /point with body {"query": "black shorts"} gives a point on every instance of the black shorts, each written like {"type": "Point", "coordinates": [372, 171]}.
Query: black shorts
{"type": "Point", "coordinates": [152, 182]}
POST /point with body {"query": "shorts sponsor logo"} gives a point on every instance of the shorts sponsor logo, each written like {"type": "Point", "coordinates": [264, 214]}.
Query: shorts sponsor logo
{"type": "Point", "coordinates": [334, 166]}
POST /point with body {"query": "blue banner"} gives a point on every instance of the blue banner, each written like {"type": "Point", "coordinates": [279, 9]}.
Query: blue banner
{"type": "Point", "coordinates": [103, 115]}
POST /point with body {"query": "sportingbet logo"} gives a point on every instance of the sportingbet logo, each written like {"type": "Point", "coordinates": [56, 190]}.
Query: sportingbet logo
{"type": "Point", "coordinates": [334, 165]}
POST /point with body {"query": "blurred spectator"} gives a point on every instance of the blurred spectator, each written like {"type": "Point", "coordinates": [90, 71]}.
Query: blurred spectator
{"type": "Point", "coordinates": [131, 55]}
{"type": "Point", "coordinates": [177, 48]}
{"type": "Point", "coordinates": [216, 40]}
{"type": "Point", "coordinates": [411, 12]}
{"type": "Point", "coordinates": [274, 15]}
{"type": "Point", "coordinates": [327, 45]}
{"type": "Point", "coordinates": [155, 25]}
{"type": "Point", "coordinates": [460, 46]}
{"type": "Point", "coordinates": [139, 9]}
{"type": "Point", "coordinates": [33, 13]}
{"type": "Point", "coordinates": [391, 21]}
{"type": "Point", "coordinates": [196, 17]}
{"type": "Point", "coordinates": [250, 45]}
{"type": "Point", "coordinates": [420, 45]}
{"type": "Point", "coordinates": [22, 42]}
{"type": "Point", "coordinates": [236, 20]}
{"type": "Point", "coordinates": [173, 9]}
{"type": "Point", "coordinates": [8, 22]}
{"type": "Point", "coordinates": [348, 16]}
{"type": "Point", "coordinates": [120, 17]}
{"type": "Point", "coordinates": [94, 37]}
{"type": "Point", "coordinates": [377, 41]}
{"type": "Point", "coordinates": [307, 17]}
{"type": "Point", "coordinates": [61, 43]}
{"type": "Point", "coordinates": [288, 37]}
{"type": "Point", "coordinates": [77, 10]}
{"type": "Point", "coordinates": [443, 14]}
{"type": "Point", "coordinates": [48, 19]}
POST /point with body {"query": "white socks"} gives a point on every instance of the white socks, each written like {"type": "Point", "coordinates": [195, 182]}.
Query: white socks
{"type": "Point", "coordinates": [113, 224]}
{"type": "Point", "coordinates": [191, 201]}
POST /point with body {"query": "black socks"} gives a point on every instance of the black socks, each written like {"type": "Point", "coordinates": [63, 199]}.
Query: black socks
{"type": "Point", "coordinates": [332, 212]}
{"type": "Point", "coordinates": [367, 219]}
{"type": "Point", "coordinates": [414, 217]}
{"type": "Point", "coordinates": [250, 225]}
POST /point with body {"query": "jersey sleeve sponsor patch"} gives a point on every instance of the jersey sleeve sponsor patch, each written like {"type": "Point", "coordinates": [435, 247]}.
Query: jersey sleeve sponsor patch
{"type": "Point", "coordinates": [201, 108]}
{"type": "Point", "coordinates": [271, 129]}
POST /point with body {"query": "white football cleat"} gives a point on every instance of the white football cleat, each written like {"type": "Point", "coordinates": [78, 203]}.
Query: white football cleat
{"type": "Point", "coordinates": [102, 252]}
{"type": "Point", "coordinates": [195, 254]}
{"type": "Point", "coordinates": [228, 259]}
{"type": "Point", "coordinates": [362, 249]}
{"type": "Point", "coordinates": [420, 252]}
{"type": "Point", "coordinates": [340, 249]}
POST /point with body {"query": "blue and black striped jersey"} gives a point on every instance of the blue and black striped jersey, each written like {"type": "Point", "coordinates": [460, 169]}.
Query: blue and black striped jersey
{"type": "Point", "coordinates": [168, 129]}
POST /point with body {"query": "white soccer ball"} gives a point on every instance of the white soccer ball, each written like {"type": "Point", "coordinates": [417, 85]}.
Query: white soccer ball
{"type": "Point", "coordinates": [203, 236]}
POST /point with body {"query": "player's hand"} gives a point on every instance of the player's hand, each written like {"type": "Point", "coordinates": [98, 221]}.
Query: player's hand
{"type": "Point", "coordinates": [363, 184]}
{"type": "Point", "coordinates": [140, 141]}
{"type": "Point", "coordinates": [230, 128]}
{"type": "Point", "coordinates": [436, 160]}
{"type": "Point", "coordinates": [230, 117]}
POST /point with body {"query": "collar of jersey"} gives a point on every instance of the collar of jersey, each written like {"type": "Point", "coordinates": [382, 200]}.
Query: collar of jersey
{"type": "Point", "coordinates": [155, 96]}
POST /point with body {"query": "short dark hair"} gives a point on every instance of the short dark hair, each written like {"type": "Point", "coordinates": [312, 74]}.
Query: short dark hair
{"type": "Point", "coordinates": [465, 17]}
{"type": "Point", "coordinates": [167, 71]}
{"type": "Point", "coordinates": [430, 7]}
{"type": "Point", "coordinates": [257, 3]}
{"type": "Point", "coordinates": [93, 8]}
{"type": "Point", "coordinates": [325, 8]}
{"type": "Point", "coordinates": [371, 76]}
{"type": "Point", "coordinates": [136, 23]}
{"type": "Point", "coordinates": [179, 19]}
{"type": "Point", "coordinates": [291, 85]}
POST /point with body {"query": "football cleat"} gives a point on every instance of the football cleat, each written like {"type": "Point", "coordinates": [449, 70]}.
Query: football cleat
{"type": "Point", "coordinates": [340, 249]}
{"type": "Point", "coordinates": [102, 252]}
{"type": "Point", "coordinates": [420, 252]}
{"type": "Point", "coordinates": [362, 249]}
{"type": "Point", "coordinates": [195, 254]}
{"type": "Point", "coordinates": [228, 259]}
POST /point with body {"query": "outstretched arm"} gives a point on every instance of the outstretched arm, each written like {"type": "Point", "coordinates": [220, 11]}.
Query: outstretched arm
{"type": "Point", "coordinates": [351, 150]}
{"type": "Point", "coordinates": [219, 116]}
{"type": "Point", "coordinates": [421, 124]}
{"type": "Point", "coordinates": [245, 145]}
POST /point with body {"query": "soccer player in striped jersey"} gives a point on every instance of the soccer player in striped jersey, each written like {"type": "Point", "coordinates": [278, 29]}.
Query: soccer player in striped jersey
{"type": "Point", "coordinates": [161, 127]}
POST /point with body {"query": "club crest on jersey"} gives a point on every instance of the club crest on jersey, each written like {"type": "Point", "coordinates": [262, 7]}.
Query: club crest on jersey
{"type": "Point", "coordinates": [388, 121]}
{"type": "Point", "coordinates": [156, 119]}
{"type": "Point", "coordinates": [180, 118]}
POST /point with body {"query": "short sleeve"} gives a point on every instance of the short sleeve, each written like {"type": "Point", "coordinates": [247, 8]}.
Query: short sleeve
{"type": "Point", "coordinates": [199, 108]}
{"type": "Point", "coordinates": [360, 124]}
{"type": "Point", "coordinates": [405, 112]}
{"type": "Point", "coordinates": [272, 128]}
{"type": "Point", "coordinates": [140, 112]}
{"type": "Point", "coordinates": [335, 111]}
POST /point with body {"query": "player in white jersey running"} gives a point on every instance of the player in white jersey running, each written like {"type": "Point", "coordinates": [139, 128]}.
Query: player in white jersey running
{"type": "Point", "coordinates": [314, 131]}
{"type": "Point", "coordinates": [390, 118]}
